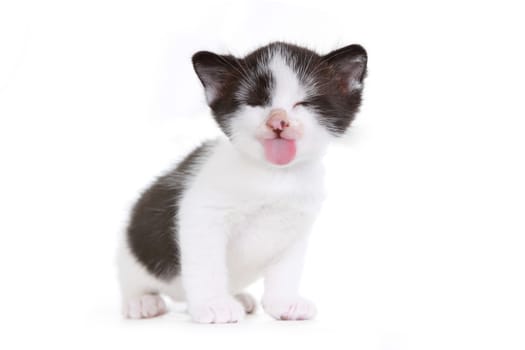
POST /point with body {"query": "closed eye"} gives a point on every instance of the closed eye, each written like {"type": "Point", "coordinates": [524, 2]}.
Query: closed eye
{"type": "Point", "coordinates": [301, 103]}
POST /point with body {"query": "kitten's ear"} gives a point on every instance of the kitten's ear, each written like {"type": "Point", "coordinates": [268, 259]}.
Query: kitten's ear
{"type": "Point", "coordinates": [215, 72]}
{"type": "Point", "coordinates": [349, 63]}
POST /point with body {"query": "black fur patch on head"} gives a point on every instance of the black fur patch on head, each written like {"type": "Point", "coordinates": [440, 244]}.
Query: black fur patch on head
{"type": "Point", "coordinates": [259, 90]}
{"type": "Point", "coordinates": [152, 230]}
{"type": "Point", "coordinates": [334, 81]}
{"type": "Point", "coordinates": [339, 87]}
{"type": "Point", "coordinates": [230, 82]}
{"type": "Point", "coordinates": [220, 77]}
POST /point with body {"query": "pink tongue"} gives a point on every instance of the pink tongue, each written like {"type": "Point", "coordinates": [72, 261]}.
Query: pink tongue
{"type": "Point", "coordinates": [279, 151]}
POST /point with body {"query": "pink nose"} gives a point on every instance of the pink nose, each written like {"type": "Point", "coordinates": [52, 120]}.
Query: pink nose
{"type": "Point", "coordinates": [278, 120]}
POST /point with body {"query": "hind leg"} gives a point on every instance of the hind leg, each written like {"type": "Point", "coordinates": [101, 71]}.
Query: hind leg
{"type": "Point", "coordinates": [140, 290]}
{"type": "Point", "coordinates": [145, 306]}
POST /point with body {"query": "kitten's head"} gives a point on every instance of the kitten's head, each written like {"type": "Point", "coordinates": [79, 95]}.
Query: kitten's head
{"type": "Point", "coordinates": [282, 103]}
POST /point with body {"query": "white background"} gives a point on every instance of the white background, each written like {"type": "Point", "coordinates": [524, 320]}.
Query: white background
{"type": "Point", "coordinates": [421, 241]}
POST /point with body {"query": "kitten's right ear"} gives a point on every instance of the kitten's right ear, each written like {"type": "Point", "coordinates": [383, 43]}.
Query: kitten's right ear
{"type": "Point", "coordinates": [215, 73]}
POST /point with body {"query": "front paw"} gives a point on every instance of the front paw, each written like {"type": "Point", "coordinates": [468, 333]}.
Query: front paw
{"type": "Point", "coordinates": [220, 310]}
{"type": "Point", "coordinates": [290, 309]}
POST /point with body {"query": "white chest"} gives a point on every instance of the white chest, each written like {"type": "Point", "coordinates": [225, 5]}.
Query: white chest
{"type": "Point", "coordinates": [259, 231]}
{"type": "Point", "coordinates": [261, 210]}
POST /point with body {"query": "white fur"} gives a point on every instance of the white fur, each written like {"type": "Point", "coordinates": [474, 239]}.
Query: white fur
{"type": "Point", "coordinates": [242, 218]}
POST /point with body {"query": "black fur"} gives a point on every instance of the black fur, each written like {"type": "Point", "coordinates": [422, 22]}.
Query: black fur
{"type": "Point", "coordinates": [341, 78]}
{"type": "Point", "coordinates": [152, 231]}
{"type": "Point", "coordinates": [260, 95]}
{"type": "Point", "coordinates": [335, 80]}
{"type": "Point", "coordinates": [219, 73]}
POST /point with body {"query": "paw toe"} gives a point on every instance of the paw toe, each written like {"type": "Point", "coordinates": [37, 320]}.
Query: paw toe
{"type": "Point", "coordinates": [290, 309]}
{"type": "Point", "coordinates": [226, 310]}
{"type": "Point", "coordinates": [146, 306]}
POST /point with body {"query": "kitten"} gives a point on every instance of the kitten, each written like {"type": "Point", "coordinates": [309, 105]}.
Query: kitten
{"type": "Point", "coordinates": [241, 207]}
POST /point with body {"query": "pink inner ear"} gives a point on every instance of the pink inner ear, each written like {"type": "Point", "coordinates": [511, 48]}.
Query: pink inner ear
{"type": "Point", "coordinates": [354, 74]}
{"type": "Point", "coordinates": [211, 94]}
{"type": "Point", "coordinates": [343, 85]}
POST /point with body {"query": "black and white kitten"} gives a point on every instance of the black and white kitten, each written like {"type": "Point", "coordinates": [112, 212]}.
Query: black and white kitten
{"type": "Point", "coordinates": [241, 207]}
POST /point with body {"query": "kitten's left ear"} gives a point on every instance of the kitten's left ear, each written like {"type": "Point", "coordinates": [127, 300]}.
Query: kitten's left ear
{"type": "Point", "coordinates": [349, 63]}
